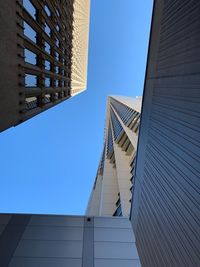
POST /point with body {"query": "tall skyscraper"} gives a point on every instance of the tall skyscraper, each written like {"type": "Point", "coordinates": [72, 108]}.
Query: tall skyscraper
{"type": "Point", "coordinates": [43, 55]}
{"type": "Point", "coordinates": [166, 198]}
{"type": "Point", "coordinates": [112, 191]}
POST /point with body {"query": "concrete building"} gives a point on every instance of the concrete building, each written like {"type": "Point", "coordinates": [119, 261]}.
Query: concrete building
{"type": "Point", "coordinates": [165, 212]}
{"type": "Point", "coordinates": [166, 199]}
{"type": "Point", "coordinates": [112, 191]}
{"type": "Point", "coordinates": [43, 55]}
{"type": "Point", "coordinates": [66, 241]}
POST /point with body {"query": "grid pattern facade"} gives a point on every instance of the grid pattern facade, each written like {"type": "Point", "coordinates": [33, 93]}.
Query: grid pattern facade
{"type": "Point", "coordinates": [48, 43]}
{"type": "Point", "coordinates": [48, 77]}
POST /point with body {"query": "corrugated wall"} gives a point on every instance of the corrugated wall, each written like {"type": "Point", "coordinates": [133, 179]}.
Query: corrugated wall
{"type": "Point", "coordinates": [166, 201]}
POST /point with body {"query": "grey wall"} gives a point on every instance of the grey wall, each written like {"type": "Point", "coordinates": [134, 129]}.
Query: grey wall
{"type": "Point", "coordinates": [166, 200]}
{"type": "Point", "coordinates": [74, 241]}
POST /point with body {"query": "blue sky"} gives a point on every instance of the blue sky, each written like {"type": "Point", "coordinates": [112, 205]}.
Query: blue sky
{"type": "Point", "coordinates": [49, 163]}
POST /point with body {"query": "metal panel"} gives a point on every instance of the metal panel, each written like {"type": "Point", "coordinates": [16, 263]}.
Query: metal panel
{"type": "Point", "coordinates": [116, 263]}
{"type": "Point", "coordinates": [166, 200]}
{"type": "Point", "coordinates": [111, 222]}
{"type": "Point", "coordinates": [53, 233]}
{"type": "Point", "coordinates": [49, 249]}
{"type": "Point", "coordinates": [11, 236]}
{"type": "Point", "coordinates": [113, 234]}
{"type": "Point", "coordinates": [45, 262]}
{"type": "Point", "coordinates": [115, 250]}
{"type": "Point", "coordinates": [50, 220]}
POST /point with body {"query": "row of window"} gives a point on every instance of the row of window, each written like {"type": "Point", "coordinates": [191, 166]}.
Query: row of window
{"type": "Point", "coordinates": [33, 58]}
{"type": "Point", "coordinates": [126, 113]}
{"type": "Point", "coordinates": [32, 81]}
{"type": "Point", "coordinates": [117, 127]}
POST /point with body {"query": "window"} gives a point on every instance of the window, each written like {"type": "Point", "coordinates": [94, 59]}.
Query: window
{"type": "Point", "coordinates": [57, 42]}
{"type": "Point", "coordinates": [47, 82]}
{"type": "Point", "coordinates": [58, 28]}
{"type": "Point", "coordinates": [47, 29]}
{"type": "Point", "coordinates": [31, 103]}
{"type": "Point", "coordinates": [30, 80]}
{"type": "Point", "coordinates": [56, 83]}
{"type": "Point", "coordinates": [57, 69]}
{"type": "Point", "coordinates": [30, 32]}
{"type": "Point", "coordinates": [30, 57]}
{"type": "Point", "coordinates": [57, 12]}
{"type": "Point", "coordinates": [47, 48]}
{"type": "Point", "coordinates": [47, 10]}
{"type": "Point", "coordinates": [47, 65]}
{"type": "Point", "coordinates": [30, 8]}
{"type": "Point", "coordinates": [57, 55]}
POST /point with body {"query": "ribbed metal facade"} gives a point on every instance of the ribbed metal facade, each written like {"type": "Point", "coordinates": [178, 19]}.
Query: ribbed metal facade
{"type": "Point", "coordinates": [166, 199]}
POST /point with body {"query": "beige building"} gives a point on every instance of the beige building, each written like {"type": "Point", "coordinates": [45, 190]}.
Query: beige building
{"type": "Point", "coordinates": [112, 191]}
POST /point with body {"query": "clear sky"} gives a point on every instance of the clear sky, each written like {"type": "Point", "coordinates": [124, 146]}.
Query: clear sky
{"type": "Point", "coordinates": [49, 163]}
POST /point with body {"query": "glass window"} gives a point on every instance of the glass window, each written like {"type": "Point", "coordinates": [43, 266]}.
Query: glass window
{"type": "Point", "coordinates": [56, 83]}
{"type": "Point", "coordinates": [30, 8]}
{"type": "Point", "coordinates": [57, 42]}
{"type": "Point", "coordinates": [47, 29]}
{"type": "Point", "coordinates": [30, 32]}
{"type": "Point", "coordinates": [47, 48]}
{"type": "Point", "coordinates": [47, 82]}
{"type": "Point", "coordinates": [57, 55]}
{"type": "Point", "coordinates": [30, 80]}
{"type": "Point", "coordinates": [57, 69]}
{"type": "Point", "coordinates": [47, 65]}
{"type": "Point", "coordinates": [57, 12]}
{"type": "Point", "coordinates": [57, 27]}
{"type": "Point", "coordinates": [47, 10]}
{"type": "Point", "coordinates": [30, 57]}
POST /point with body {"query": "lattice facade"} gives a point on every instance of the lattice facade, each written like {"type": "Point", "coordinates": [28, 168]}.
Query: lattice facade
{"type": "Point", "coordinates": [48, 43]}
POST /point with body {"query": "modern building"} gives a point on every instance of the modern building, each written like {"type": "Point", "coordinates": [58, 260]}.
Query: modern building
{"type": "Point", "coordinates": [66, 241]}
{"type": "Point", "coordinates": [166, 199]}
{"type": "Point", "coordinates": [112, 190]}
{"type": "Point", "coordinates": [165, 210]}
{"type": "Point", "coordinates": [43, 55]}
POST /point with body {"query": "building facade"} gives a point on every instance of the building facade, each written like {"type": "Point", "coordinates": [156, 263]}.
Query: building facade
{"type": "Point", "coordinates": [166, 198]}
{"type": "Point", "coordinates": [43, 55]}
{"type": "Point", "coordinates": [112, 190]}
{"type": "Point", "coordinates": [66, 241]}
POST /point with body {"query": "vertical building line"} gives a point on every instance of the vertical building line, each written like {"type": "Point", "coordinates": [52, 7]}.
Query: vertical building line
{"type": "Point", "coordinates": [88, 242]}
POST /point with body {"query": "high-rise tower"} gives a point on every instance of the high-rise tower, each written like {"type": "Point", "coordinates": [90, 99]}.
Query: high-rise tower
{"type": "Point", "coordinates": [43, 55]}
{"type": "Point", "coordinates": [112, 191]}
